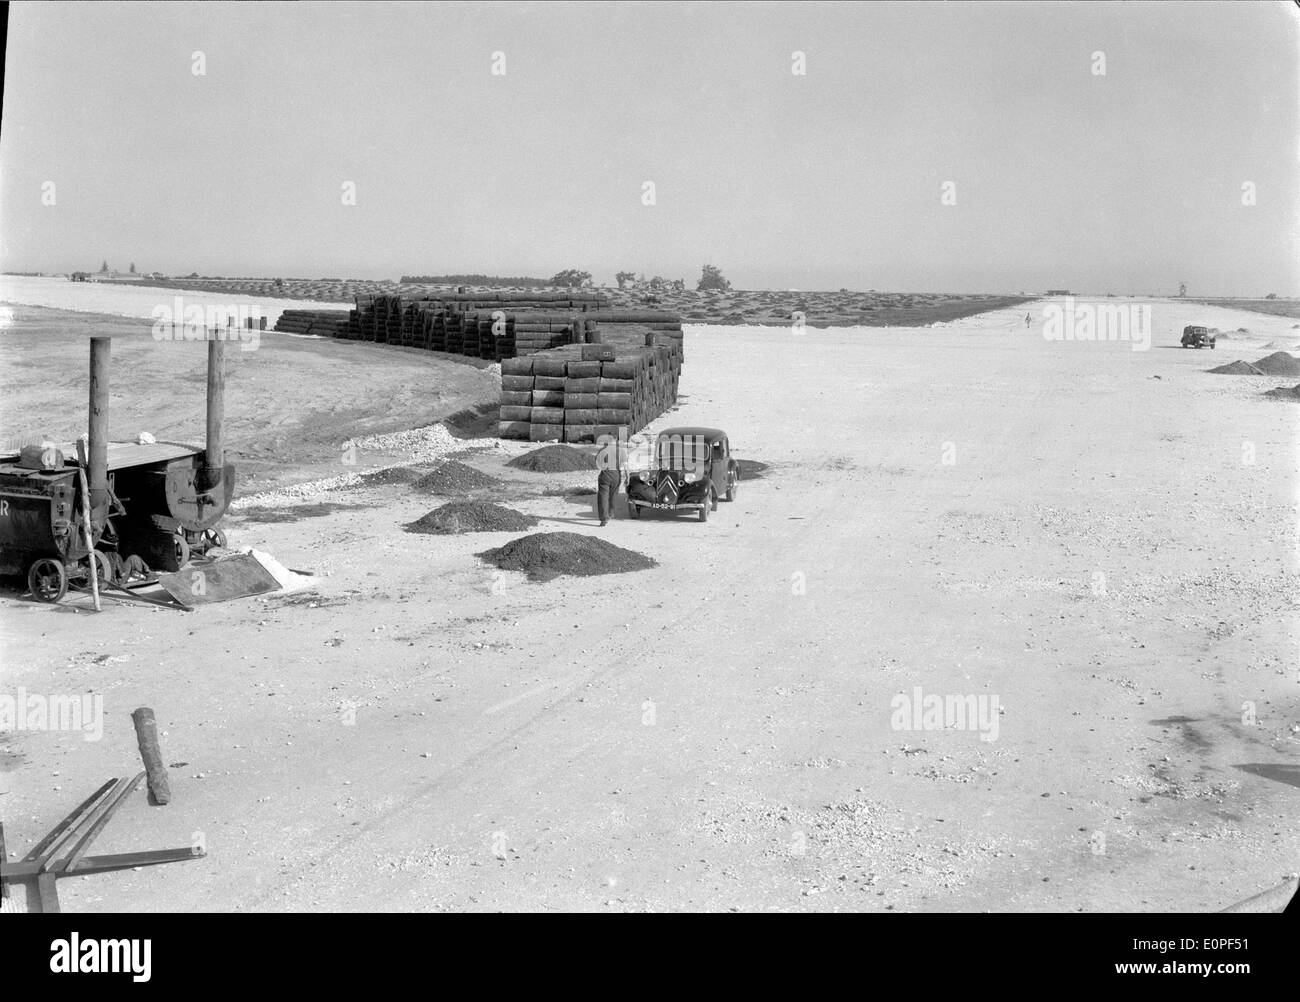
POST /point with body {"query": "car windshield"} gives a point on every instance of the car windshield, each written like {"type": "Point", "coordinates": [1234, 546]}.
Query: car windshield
{"type": "Point", "coordinates": [682, 452]}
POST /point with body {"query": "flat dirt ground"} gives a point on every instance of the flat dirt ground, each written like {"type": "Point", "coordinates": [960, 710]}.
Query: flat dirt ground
{"type": "Point", "coordinates": [1103, 539]}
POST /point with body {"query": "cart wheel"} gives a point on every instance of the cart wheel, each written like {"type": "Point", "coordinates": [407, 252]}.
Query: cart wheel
{"type": "Point", "coordinates": [732, 489]}
{"type": "Point", "coordinates": [182, 550]}
{"type": "Point", "coordinates": [104, 565]}
{"type": "Point", "coordinates": [213, 538]}
{"type": "Point", "coordinates": [80, 575]}
{"type": "Point", "coordinates": [713, 499]}
{"type": "Point", "coordinates": [47, 580]}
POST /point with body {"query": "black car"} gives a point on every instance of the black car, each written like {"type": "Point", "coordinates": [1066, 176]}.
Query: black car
{"type": "Point", "coordinates": [1195, 336]}
{"type": "Point", "coordinates": [692, 467]}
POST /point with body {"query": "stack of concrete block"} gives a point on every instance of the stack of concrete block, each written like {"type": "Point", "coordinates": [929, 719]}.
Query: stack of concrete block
{"type": "Point", "coordinates": [324, 323]}
{"type": "Point", "coordinates": [607, 325]}
{"type": "Point", "coordinates": [578, 393]}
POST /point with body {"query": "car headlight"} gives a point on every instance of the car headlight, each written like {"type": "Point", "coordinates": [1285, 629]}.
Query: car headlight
{"type": "Point", "coordinates": [692, 478]}
{"type": "Point", "coordinates": [643, 477]}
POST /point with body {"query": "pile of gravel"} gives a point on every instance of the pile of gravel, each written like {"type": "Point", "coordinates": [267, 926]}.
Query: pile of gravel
{"type": "Point", "coordinates": [390, 475]}
{"type": "Point", "coordinates": [1237, 368]}
{"type": "Point", "coordinates": [1279, 364]}
{"type": "Point", "coordinates": [546, 555]}
{"type": "Point", "coordinates": [456, 517]}
{"type": "Point", "coordinates": [1285, 392]}
{"type": "Point", "coordinates": [453, 479]}
{"type": "Point", "coordinates": [554, 459]}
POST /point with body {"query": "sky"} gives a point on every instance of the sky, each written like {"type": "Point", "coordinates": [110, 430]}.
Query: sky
{"type": "Point", "coordinates": [959, 147]}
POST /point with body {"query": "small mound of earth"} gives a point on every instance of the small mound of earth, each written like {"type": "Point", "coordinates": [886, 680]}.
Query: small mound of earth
{"type": "Point", "coordinates": [554, 459]}
{"type": "Point", "coordinates": [1279, 364]}
{"type": "Point", "coordinates": [1285, 392]}
{"type": "Point", "coordinates": [1237, 368]}
{"type": "Point", "coordinates": [751, 469]}
{"type": "Point", "coordinates": [392, 475]}
{"type": "Point", "coordinates": [456, 517]}
{"type": "Point", "coordinates": [453, 478]}
{"type": "Point", "coordinates": [546, 555]}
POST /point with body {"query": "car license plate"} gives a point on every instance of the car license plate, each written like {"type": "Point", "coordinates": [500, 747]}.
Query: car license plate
{"type": "Point", "coordinates": [661, 504]}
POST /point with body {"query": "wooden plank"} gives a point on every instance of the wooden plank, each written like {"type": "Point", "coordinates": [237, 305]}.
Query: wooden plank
{"type": "Point", "coordinates": [116, 800]}
{"type": "Point", "coordinates": [43, 850]}
{"type": "Point", "coordinates": [106, 863]}
{"type": "Point", "coordinates": [122, 455]}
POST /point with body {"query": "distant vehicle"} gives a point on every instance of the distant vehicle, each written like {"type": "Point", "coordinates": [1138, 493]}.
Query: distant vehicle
{"type": "Point", "coordinates": [692, 466]}
{"type": "Point", "coordinates": [1195, 336]}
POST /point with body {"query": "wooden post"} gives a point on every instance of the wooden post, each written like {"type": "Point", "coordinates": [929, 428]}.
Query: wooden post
{"type": "Point", "coordinates": [83, 482]}
{"type": "Point", "coordinates": [215, 456]}
{"type": "Point", "coordinates": [146, 736]}
{"type": "Point", "coordinates": [97, 461]}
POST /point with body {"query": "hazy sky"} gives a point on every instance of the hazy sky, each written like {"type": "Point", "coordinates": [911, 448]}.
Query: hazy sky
{"type": "Point", "coordinates": [1129, 181]}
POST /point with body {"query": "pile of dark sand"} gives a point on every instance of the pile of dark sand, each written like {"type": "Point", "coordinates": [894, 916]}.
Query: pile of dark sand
{"type": "Point", "coordinates": [554, 459]}
{"type": "Point", "coordinates": [1237, 368]}
{"type": "Point", "coordinates": [751, 469]}
{"type": "Point", "coordinates": [295, 512]}
{"type": "Point", "coordinates": [453, 479]}
{"type": "Point", "coordinates": [546, 555]}
{"type": "Point", "coordinates": [1285, 392]}
{"type": "Point", "coordinates": [471, 516]}
{"type": "Point", "coordinates": [1280, 363]}
{"type": "Point", "coordinates": [392, 475]}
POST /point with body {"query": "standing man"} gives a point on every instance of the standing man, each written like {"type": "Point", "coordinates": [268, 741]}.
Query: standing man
{"type": "Point", "coordinates": [607, 484]}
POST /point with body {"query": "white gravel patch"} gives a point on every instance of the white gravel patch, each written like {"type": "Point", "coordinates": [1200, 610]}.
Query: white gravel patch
{"type": "Point", "coordinates": [430, 444]}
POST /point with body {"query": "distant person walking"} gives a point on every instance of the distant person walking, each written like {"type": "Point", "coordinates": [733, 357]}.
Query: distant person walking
{"type": "Point", "coordinates": [607, 484]}
{"type": "Point", "coordinates": [1026, 319]}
